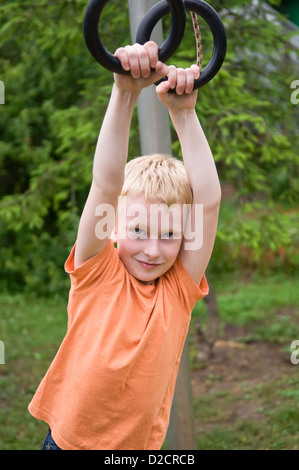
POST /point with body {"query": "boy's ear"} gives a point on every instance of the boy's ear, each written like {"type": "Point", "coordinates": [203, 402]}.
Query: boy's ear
{"type": "Point", "coordinates": [113, 236]}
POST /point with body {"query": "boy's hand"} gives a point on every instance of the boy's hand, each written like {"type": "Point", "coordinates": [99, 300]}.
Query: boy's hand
{"type": "Point", "coordinates": [144, 65]}
{"type": "Point", "coordinates": [182, 80]}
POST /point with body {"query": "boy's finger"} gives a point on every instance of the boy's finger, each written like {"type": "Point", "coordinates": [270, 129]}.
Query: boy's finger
{"type": "Point", "coordinates": [196, 71]}
{"type": "Point", "coordinates": [190, 77]}
{"type": "Point", "coordinates": [133, 61]}
{"type": "Point", "coordinates": [181, 81]}
{"type": "Point", "coordinates": [144, 61]}
{"type": "Point", "coordinates": [163, 88]}
{"type": "Point", "coordinates": [161, 69]}
{"type": "Point", "coordinates": [122, 56]}
{"type": "Point", "coordinates": [152, 50]}
{"type": "Point", "coordinates": [172, 76]}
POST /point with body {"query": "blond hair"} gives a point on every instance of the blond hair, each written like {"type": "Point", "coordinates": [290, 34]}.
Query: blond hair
{"type": "Point", "coordinates": [157, 178]}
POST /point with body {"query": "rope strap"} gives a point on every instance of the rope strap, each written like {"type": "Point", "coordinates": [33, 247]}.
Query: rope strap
{"type": "Point", "coordinates": [197, 33]}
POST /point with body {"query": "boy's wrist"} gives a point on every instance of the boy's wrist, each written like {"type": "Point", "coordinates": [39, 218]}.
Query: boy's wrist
{"type": "Point", "coordinates": [182, 111]}
{"type": "Point", "coordinates": [182, 115]}
{"type": "Point", "coordinates": [126, 96]}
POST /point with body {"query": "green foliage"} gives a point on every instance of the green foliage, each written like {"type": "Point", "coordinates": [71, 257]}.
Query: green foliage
{"type": "Point", "coordinates": [55, 99]}
{"type": "Point", "coordinates": [56, 96]}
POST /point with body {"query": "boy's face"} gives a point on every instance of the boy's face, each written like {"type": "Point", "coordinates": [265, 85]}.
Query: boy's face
{"type": "Point", "coordinates": [149, 237]}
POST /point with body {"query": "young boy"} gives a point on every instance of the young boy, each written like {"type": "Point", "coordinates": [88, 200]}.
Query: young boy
{"type": "Point", "coordinates": [111, 383]}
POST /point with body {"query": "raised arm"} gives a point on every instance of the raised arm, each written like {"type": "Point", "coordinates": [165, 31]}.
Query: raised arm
{"type": "Point", "coordinates": [200, 168]}
{"type": "Point", "coordinates": [112, 146]}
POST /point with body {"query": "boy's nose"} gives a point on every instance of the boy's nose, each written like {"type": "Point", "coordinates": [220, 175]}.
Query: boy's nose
{"type": "Point", "coordinates": [152, 249]}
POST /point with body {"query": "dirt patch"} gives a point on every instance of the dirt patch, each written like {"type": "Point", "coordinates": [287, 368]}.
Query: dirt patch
{"type": "Point", "coordinates": [231, 373]}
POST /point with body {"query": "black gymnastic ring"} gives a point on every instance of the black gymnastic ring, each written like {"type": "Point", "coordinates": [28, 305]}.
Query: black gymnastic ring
{"type": "Point", "coordinates": [108, 60]}
{"type": "Point", "coordinates": [208, 13]}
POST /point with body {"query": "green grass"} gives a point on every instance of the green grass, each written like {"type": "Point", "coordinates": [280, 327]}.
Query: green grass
{"type": "Point", "coordinates": [31, 330]}
{"type": "Point", "coordinates": [273, 424]}
{"type": "Point", "coordinates": [260, 412]}
{"type": "Point", "coordinates": [267, 307]}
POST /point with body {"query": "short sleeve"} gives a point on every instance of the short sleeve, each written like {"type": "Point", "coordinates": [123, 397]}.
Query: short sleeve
{"type": "Point", "coordinates": [186, 285]}
{"type": "Point", "coordinates": [98, 269]}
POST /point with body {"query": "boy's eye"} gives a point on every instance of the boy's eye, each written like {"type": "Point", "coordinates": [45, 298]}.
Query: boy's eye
{"type": "Point", "coordinates": [139, 232]}
{"type": "Point", "coordinates": [167, 235]}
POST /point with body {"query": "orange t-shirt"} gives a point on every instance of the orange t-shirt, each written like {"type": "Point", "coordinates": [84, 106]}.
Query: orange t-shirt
{"type": "Point", "coordinates": [111, 384]}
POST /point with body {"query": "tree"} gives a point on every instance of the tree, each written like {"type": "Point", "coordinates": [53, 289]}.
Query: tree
{"type": "Point", "coordinates": [55, 99]}
{"type": "Point", "coordinates": [56, 95]}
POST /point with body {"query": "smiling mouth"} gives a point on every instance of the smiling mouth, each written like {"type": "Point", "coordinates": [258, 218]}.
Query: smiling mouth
{"type": "Point", "coordinates": [147, 265]}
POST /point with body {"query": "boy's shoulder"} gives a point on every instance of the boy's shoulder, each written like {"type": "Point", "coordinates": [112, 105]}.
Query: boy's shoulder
{"type": "Point", "coordinates": [104, 265]}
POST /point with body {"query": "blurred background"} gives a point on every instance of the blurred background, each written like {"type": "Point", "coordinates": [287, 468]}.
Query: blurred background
{"type": "Point", "coordinates": [244, 370]}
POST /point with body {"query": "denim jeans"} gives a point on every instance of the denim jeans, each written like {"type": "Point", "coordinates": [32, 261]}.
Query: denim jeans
{"type": "Point", "coordinates": [49, 443]}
